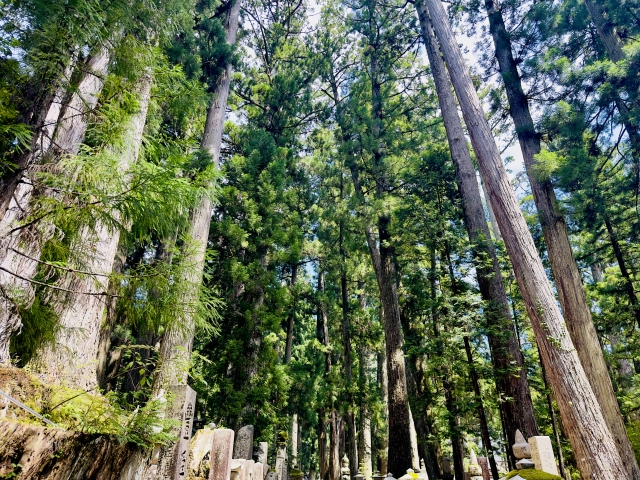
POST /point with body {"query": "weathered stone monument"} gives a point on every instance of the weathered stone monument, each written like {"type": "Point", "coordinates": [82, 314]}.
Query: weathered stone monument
{"type": "Point", "coordinates": [542, 454]}
{"type": "Point", "coordinates": [243, 446]}
{"type": "Point", "coordinates": [446, 469]}
{"type": "Point", "coordinates": [200, 453]}
{"type": "Point", "coordinates": [281, 463]}
{"type": "Point", "coordinates": [345, 472]}
{"type": "Point", "coordinates": [522, 452]}
{"type": "Point", "coordinates": [238, 470]}
{"type": "Point", "coordinates": [170, 462]}
{"type": "Point", "coordinates": [260, 454]}
{"type": "Point", "coordinates": [484, 464]}
{"type": "Point", "coordinates": [258, 471]}
{"type": "Point", "coordinates": [221, 454]}
{"type": "Point", "coordinates": [475, 470]}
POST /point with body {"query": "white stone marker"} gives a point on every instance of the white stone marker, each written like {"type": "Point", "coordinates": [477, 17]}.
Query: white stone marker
{"type": "Point", "coordinates": [542, 454]}
{"type": "Point", "coordinates": [258, 471]}
{"type": "Point", "coordinates": [521, 448]}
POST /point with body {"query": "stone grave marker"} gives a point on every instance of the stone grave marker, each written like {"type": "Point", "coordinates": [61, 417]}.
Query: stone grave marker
{"type": "Point", "coordinates": [173, 459]}
{"type": "Point", "coordinates": [521, 448]}
{"type": "Point", "coordinates": [484, 464]}
{"type": "Point", "coordinates": [281, 464]}
{"type": "Point", "coordinates": [446, 466]}
{"type": "Point", "coordinates": [272, 476]}
{"type": "Point", "coordinates": [542, 454]}
{"type": "Point", "coordinates": [200, 451]}
{"type": "Point", "coordinates": [243, 446]}
{"type": "Point", "coordinates": [258, 471]}
{"type": "Point", "coordinates": [221, 453]}
{"type": "Point", "coordinates": [260, 454]}
{"type": "Point", "coordinates": [237, 469]}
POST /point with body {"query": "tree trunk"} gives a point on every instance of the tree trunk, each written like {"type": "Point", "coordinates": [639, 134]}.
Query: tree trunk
{"type": "Point", "coordinates": [511, 378]}
{"type": "Point", "coordinates": [563, 265]}
{"type": "Point", "coordinates": [292, 316]}
{"type": "Point", "coordinates": [624, 272]}
{"type": "Point", "coordinates": [383, 257]}
{"type": "Point", "coordinates": [178, 340]}
{"type": "Point", "coordinates": [554, 424]}
{"type": "Point", "coordinates": [613, 46]}
{"type": "Point", "coordinates": [383, 440]}
{"type": "Point", "coordinates": [20, 245]}
{"type": "Point", "coordinates": [81, 313]}
{"type": "Point", "coordinates": [323, 458]}
{"type": "Point", "coordinates": [348, 362]}
{"type": "Point", "coordinates": [482, 416]}
{"type": "Point", "coordinates": [593, 444]}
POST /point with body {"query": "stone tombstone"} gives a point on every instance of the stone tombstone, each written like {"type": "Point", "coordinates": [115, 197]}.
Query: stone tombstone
{"type": "Point", "coordinates": [272, 476]}
{"type": "Point", "coordinates": [250, 470]}
{"type": "Point", "coordinates": [173, 459]}
{"type": "Point", "coordinates": [521, 447]}
{"type": "Point", "coordinates": [258, 471]}
{"type": "Point", "coordinates": [243, 446]}
{"type": "Point", "coordinates": [446, 466]}
{"type": "Point", "coordinates": [199, 451]}
{"type": "Point", "coordinates": [542, 454]}
{"type": "Point", "coordinates": [237, 469]}
{"type": "Point", "coordinates": [260, 452]}
{"type": "Point", "coordinates": [221, 454]}
{"type": "Point", "coordinates": [525, 464]}
{"type": "Point", "coordinates": [281, 464]}
{"type": "Point", "coordinates": [484, 464]}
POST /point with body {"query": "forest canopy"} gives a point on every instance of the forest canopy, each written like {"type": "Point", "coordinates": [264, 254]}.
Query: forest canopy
{"type": "Point", "coordinates": [381, 229]}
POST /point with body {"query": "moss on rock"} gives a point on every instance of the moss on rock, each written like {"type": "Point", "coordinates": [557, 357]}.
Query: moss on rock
{"type": "Point", "coordinates": [531, 474]}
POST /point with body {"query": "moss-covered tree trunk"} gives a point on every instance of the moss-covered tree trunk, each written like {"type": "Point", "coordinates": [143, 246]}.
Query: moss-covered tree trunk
{"type": "Point", "coordinates": [81, 309]}
{"type": "Point", "coordinates": [20, 243]}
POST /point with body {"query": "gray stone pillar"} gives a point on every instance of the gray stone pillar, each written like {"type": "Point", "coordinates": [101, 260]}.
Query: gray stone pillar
{"type": "Point", "coordinates": [221, 454]}
{"type": "Point", "coordinates": [243, 447]}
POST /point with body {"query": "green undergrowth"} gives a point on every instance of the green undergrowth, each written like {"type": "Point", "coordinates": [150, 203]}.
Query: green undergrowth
{"type": "Point", "coordinates": [86, 412]}
{"type": "Point", "coordinates": [530, 474]}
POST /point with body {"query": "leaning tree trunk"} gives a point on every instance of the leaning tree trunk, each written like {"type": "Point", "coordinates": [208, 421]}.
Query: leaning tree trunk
{"type": "Point", "coordinates": [511, 378]}
{"type": "Point", "coordinates": [613, 46]}
{"type": "Point", "coordinates": [81, 309]}
{"type": "Point", "coordinates": [175, 350]}
{"type": "Point", "coordinates": [20, 243]}
{"type": "Point", "coordinates": [594, 447]}
{"type": "Point", "coordinates": [565, 270]}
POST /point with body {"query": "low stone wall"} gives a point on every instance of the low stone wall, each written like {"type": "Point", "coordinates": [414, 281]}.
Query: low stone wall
{"type": "Point", "coordinates": [33, 452]}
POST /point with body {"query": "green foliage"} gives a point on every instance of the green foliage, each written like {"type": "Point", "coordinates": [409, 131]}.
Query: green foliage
{"type": "Point", "coordinates": [531, 474]}
{"type": "Point", "coordinates": [39, 327]}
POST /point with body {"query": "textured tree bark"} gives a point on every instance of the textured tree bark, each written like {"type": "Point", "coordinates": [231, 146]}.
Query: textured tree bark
{"type": "Point", "coordinates": [565, 270]}
{"type": "Point", "coordinates": [593, 444]}
{"type": "Point", "coordinates": [175, 349]}
{"type": "Point", "coordinates": [482, 416]}
{"type": "Point", "coordinates": [350, 419]}
{"type": "Point", "coordinates": [29, 452]}
{"type": "Point", "coordinates": [383, 439]}
{"type": "Point", "coordinates": [20, 245]}
{"type": "Point", "coordinates": [81, 313]}
{"type": "Point", "coordinates": [323, 458]}
{"type": "Point", "coordinates": [399, 459]}
{"type": "Point", "coordinates": [292, 316]}
{"type": "Point", "coordinates": [511, 379]}
{"type": "Point", "coordinates": [624, 271]}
